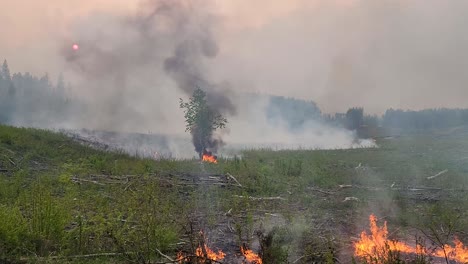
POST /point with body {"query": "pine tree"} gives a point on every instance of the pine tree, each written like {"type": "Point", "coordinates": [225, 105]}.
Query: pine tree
{"type": "Point", "coordinates": [60, 88]}
{"type": "Point", "coordinates": [6, 72]}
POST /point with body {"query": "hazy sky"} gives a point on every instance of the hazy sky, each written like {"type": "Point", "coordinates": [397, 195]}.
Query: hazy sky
{"type": "Point", "coordinates": [341, 53]}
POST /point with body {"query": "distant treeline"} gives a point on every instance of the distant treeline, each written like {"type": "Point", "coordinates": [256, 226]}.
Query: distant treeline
{"type": "Point", "coordinates": [403, 121]}
{"type": "Point", "coordinates": [293, 112]}
{"type": "Point", "coordinates": [425, 119]}
{"type": "Point", "coordinates": [27, 100]}
{"type": "Point", "coordinates": [297, 112]}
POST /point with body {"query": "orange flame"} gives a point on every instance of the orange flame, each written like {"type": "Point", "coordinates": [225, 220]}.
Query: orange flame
{"type": "Point", "coordinates": [377, 243]}
{"type": "Point", "coordinates": [181, 258]}
{"type": "Point", "coordinates": [202, 258]}
{"type": "Point", "coordinates": [209, 158]}
{"type": "Point", "coordinates": [250, 256]}
{"type": "Point", "coordinates": [210, 254]}
{"type": "Point", "coordinates": [458, 253]}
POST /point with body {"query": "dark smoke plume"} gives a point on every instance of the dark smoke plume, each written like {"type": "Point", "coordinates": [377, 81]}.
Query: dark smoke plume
{"type": "Point", "coordinates": [171, 38]}
{"type": "Point", "coordinates": [207, 145]}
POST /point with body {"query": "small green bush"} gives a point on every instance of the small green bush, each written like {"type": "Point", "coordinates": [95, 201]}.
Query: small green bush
{"type": "Point", "coordinates": [13, 230]}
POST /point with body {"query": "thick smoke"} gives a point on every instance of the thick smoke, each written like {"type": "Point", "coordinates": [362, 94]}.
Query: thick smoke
{"type": "Point", "coordinates": [339, 53]}
{"type": "Point", "coordinates": [164, 38]}
{"type": "Point", "coordinates": [134, 67]}
{"type": "Point", "coordinates": [210, 144]}
{"type": "Point", "coordinates": [258, 125]}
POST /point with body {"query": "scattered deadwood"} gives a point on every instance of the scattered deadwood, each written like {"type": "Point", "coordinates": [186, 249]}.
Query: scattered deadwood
{"type": "Point", "coordinates": [170, 179]}
{"type": "Point", "coordinates": [274, 215]}
{"type": "Point", "coordinates": [113, 176]}
{"type": "Point", "coordinates": [95, 255]}
{"type": "Point", "coordinates": [206, 179]}
{"type": "Point", "coordinates": [190, 258]}
{"type": "Point", "coordinates": [319, 190]}
{"type": "Point", "coordinates": [261, 198]}
{"type": "Point", "coordinates": [301, 257]}
{"type": "Point", "coordinates": [346, 186]}
{"type": "Point", "coordinates": [408, 188]}
{"type": "Point", "coordinates": [232, 177]}
{"type": "Point", "coordinates": [9, 150]}
{"type": "Point", "coordinates": [162, 254]}
{"type": "Point", "coordinates": [421, 188]}
{"type": "Point", "coordinates": [228, 213]}
{"type": "Point", "coordinates": [12, 162]}
{"type": "Point", "coordinates": [351, 198]}
{"type": "Point", "coordinates": [437, 175]}
{"type": "Point", "coordinates": [80, 180]}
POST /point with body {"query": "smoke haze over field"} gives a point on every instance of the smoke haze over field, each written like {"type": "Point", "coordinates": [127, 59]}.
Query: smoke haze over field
{"type": "Point", "coordinates": [136, 58]}
{"type": "Point", "coordinates": [341, 53]}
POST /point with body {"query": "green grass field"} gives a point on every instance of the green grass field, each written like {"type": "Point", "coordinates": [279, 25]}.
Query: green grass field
{"type": "Point", "coordinates": [63, 202]}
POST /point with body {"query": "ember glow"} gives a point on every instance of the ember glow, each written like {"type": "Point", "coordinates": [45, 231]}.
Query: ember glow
{"type": "Point", "coordinates": [209, 157]}
{"type": "Point", "coordinates": [75, 47]}
{"type": "Point", "coordinates": [250, 256]}
{"type": "Point", "coordinates": [377, 243]}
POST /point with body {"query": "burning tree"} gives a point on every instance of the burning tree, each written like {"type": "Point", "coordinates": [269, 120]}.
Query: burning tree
{"type": "Point", "coordinates": [201, 121]}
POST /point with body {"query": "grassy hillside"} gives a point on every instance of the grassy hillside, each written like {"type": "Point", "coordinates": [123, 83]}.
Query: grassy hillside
{"type": "Point", "coordinates": [64, 202]}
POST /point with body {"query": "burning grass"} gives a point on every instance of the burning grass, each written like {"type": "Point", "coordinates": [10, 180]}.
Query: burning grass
{"type": "Point", "coordinates": [203, 254]}
{"type": "Point", "coordinates": [250, 256]}
{"type": "Point", "coordinates": [132, 206]}
{"type": "Point", "coordinates": [377, 248]}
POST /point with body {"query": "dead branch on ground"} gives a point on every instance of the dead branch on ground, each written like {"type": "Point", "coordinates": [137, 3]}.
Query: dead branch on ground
{"type": "Point", "coordinates": [437, 175]}
{"type": "Point", "coordinates": [260, 198]}
{"type": "Point", "coordinates": [232, 177]}
{"type": "Point", "coordinates": [320, 191]}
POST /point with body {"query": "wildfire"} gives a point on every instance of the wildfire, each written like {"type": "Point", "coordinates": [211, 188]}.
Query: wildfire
{"type": "Point", "coordinates": [208, 157]}
{"type": "Point", "coordinates": [203, 254]}
{"type": "Point", "coordinates": [250, 256]}
{"type": "Point", "coordinates": [458, 253]}
{"type": "Point", "coordinates": [377, 244]}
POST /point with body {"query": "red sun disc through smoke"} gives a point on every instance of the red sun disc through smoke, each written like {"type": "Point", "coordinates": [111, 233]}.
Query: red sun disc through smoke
{"type": "Point", "coordinates": [75, 47]}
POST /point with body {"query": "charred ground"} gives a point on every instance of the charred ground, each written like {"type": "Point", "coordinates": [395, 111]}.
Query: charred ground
{"type": "Point", "coordinates": [65, 202]}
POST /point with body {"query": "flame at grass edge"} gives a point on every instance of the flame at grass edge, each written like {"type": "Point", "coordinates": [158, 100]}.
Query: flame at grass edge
{"type": "Point", "coordinates": [377, 244]}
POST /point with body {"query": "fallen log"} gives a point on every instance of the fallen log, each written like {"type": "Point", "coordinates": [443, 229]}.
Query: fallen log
{"type": "Point", "coordinates": [261, 198]}
{"type": "Point", "coordinates": [79, 180]}
{"type": "Point", "coordinates": [12, 162]}
{"type": "Point", "coordinates": [393, 188]}
{"type": "Point", "coordinates": [232, 177]}
{"type": "Point", "coordinates": [437, 175]}
{"type": "Point", "coordinates": [351, 198]}
{"type": "Point", "coordinates": [166, 256]}
{"type": "Point", "coordinates": [319, 190]}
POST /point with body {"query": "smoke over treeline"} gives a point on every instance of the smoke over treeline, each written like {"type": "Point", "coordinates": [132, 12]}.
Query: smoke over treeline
{"type": "Point", "coordinates": [132, 67]}
{"type": "Point", "coordinates": [28, 100]}
{"type": "Point", "coordinates": [166, 38]}
{"type": "Point", "coordinates": [375, 54]}
{"type": "Point", "coordinates": [271, 121]}
{"type": "Point", "coordinates": [136, 53]}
